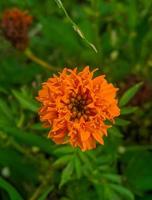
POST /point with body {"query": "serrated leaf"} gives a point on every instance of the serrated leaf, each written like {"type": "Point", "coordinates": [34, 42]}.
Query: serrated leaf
{"type": "Point", "coordinates": [13, 194]}
{"type": "Point", "coordinates": [129, 94]}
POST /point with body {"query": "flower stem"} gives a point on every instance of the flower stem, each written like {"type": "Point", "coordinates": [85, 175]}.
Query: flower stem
{"type": "Point", "coordinates": [42, 186]}
{"type": "Point", "coordinates": [37, 60]}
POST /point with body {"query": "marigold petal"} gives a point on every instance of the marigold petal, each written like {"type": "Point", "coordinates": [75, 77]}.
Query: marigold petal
{"type": "Point", "coordinates": [98, 137]}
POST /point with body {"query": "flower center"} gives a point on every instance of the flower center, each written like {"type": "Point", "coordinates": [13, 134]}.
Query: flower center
{"type": "Point", "coordinates": [78, 106]}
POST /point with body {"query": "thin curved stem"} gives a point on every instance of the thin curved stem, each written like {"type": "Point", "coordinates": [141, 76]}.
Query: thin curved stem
{"type": "Point", "coordinates": [37, 60]}
{"type": "Point", "coordinates": [42, 186]}
{"type": "Point", "coordinates": [75, 26]}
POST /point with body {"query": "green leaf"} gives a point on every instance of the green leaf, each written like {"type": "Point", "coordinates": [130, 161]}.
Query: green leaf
{"type": "Point", "coordinates": [3, 90]}
{"type": "Point", "coordinates": [139, 170]}
{"type": "Point", "coordinates": [45, 194]}
{"type": "Point", "coordinates": [85, 159]}
{"type": "Point", "coordinates": [128, 110]}
{"type": "Point", "coordinates": [124, 192]}
{"type": "Point", "coordinates": [37, 127]}
{"type": "Point", "coordinates": [25, 101]}
{"type": "Point", "coordinates": [112, 177]}
{"type": "Point", "coordinates": [115, 131]}
{"type": "Point", "coordinates": [5, 110]}
{"type": "Point", "coordinates": [78, 166]}
{"type": "Point", "coordinates": [13, 194]}
{"type": "Point", "coordinates": [21, 168]}
{"type": "Point", "coordinates": [62, 160]}
{"type": "Point", "coordinates": [29, 139]}
{"type": "Point", "coordinates": [65, 149]}
{"type": "Point", "coordinates": [121, 122]}
{"type": "Point", "coordinates": [66, 174]}
{"type": "Point", "coordinates": [129, 94]}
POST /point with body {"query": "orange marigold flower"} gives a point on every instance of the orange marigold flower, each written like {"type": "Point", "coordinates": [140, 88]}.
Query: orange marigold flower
{"type": "Point", "coordinates": [75, 105]}
{"type": "Point", "coordinates": [15, 25]}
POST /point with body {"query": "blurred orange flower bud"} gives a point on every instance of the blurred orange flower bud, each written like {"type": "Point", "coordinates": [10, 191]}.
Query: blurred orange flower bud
{"type": "Point", "coordinates": [15, 26]}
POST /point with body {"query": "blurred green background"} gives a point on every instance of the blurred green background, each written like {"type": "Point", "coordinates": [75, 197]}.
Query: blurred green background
{"type": "Point", "coordinates": [34, 168]}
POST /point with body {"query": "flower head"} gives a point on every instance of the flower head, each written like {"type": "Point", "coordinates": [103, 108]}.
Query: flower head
{"type": "Point", "coordinates": [75, 105]}
{"type": "Point", "coordinates": [15, 25]}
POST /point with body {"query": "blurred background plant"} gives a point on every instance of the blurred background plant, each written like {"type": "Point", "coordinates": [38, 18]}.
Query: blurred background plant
{"type": "Point", "coordinates": [31, 166]}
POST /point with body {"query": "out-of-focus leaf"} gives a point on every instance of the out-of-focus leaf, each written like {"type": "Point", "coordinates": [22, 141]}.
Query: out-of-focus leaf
{"type": "Point", "coordinates": [145, 197]}
{"type": "Point", "coordinates": [5, 110]}
{"type": "Point", "coordinates": [25, 102]}
{"type": "Point", "coordinates": [128, 110]}
{"type": "Point", "coordinates": [15, 70]}
{"type": "Point", "coordinates": [138, 171]}
{"type": "Point", "coordinates": [21, 169]}
{"type": "Point", "coordinates": [37, 127]}
{"type": "Point", "coordinates": [121, 122]}
{"type": "Point", "coordinates": [124, 192]}
{"type": "Point", "coordinates": [29, 139]}
{"type": "Point", "coordinates": [62, 160]}
{"type": "Point", "coordinates": [85, 159]}
{"type": "Point", "coordinates": [69, 42]}
{"type": "Point", "coordinates": [115, 131]}
{"type": "Point", "coordinates": [129, 94]}
{"type": "Point", "coordinates": [45, 194]}
{"type": "Point", "coordinates": [112, 177]}
{"type": "Point", "coordinates": [13, 194]}
{"type": "Point", "coordinates": [66, 174]}
{"type": "Point", "coordinates": [65, 149]}
{"type": "Point", "coordinates": [78, 166]}
{"type": "Point", "coordinates": [105, 192]}
{"type": "Point", "coordinates": [3, 90]}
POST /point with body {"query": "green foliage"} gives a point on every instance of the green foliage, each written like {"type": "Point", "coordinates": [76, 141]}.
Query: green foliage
{"type": "Point", "coordinates": [116, 37]}
{"type": "Point", "coordinates": [139, 174]}
{"type": "Point", "coordinates": [128, 110]}
{"type": "Point", "coordinates": [10, 189]}
{"type": "Point", "coordinates": [28, 138]}
{"type": "Point", "coordinates": [129, 94]}
{"type": "Point", "coordinates": [45, 194]}
{"type": "Point", "coordinates": [25, 101]}
{"type": "Point", "coordinates": [75, 27]}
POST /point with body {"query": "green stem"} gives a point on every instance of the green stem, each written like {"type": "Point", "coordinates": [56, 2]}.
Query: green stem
{"type": "Point", "coordinates": [75, 26]}
{"type": "Point", "coordinates": [42, 186]}
{"type": "Point", "coordinates": [37, 60]}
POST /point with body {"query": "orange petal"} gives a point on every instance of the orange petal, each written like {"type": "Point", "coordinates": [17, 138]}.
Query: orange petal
{"type": "Point", "coordinates": [84, 135]}
{"type": "Point", "coordinates": [98, 137]}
